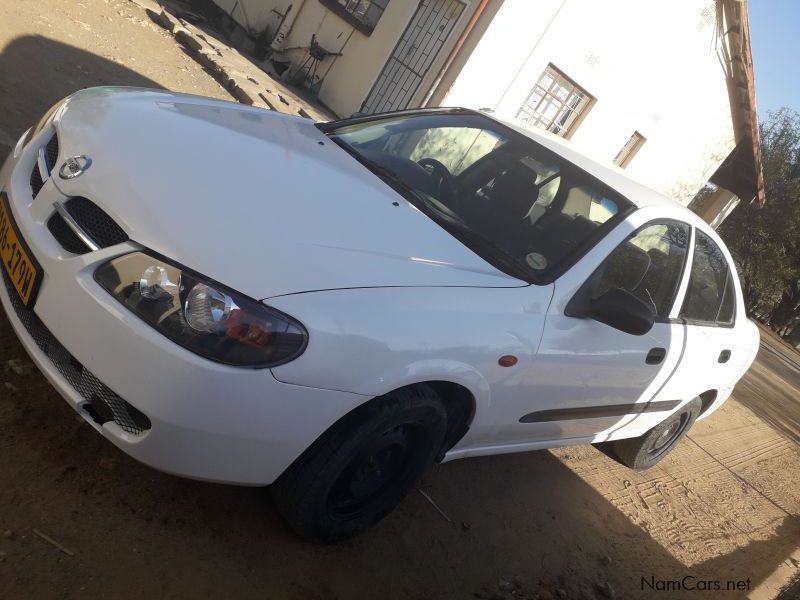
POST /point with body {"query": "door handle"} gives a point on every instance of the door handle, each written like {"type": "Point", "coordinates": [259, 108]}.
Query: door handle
{"type": "Point", "coordinates": [655, 356]}
{"type": "Point", "coordinates": [724, 356]}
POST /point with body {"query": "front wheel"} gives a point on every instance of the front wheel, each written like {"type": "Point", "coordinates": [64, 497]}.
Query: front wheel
{"type": "Point", "coordinates": [361, 468]}
{"type": "Point", "coordinates": [643, 452]}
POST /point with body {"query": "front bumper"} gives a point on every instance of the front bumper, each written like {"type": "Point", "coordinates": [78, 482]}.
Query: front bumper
{"type": "Point", "coordinates": [207, 421]}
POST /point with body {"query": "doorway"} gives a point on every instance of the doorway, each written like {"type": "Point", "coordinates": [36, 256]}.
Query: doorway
{"type": "Point", "coordinates": [413, 56]}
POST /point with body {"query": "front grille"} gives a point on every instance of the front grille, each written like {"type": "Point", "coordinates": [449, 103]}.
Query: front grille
{"type": "Point", "coordinates": [81, 379]}
{"type": "Point", "coordinates": [68, 239]}
{"type": "Point", "coordinates": [92, 220]}
{"type": "Point", "coordinates": [36, 180]}
{"type": "Point", "coordinates": [51, 158]}
{"type": "Point", "coordinates": [95, 222]}
{"type": "Point", "coordinates": [51, 153]}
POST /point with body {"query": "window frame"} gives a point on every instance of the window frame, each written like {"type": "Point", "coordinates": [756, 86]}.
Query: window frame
{"type": "Point", "coordinates": [341, 11]}
{"type": "Point", "coordinates": [630, 149]}
{"type": "Point", "coordinates": [557, 75]}
{"type": "Point", "coordinates": [730, 273]}
{"type": "Point", "coordinates": [578, 304]}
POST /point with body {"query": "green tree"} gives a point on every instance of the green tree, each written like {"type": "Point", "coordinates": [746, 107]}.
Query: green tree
{"type": "Point", "coordinates": [765, 242]}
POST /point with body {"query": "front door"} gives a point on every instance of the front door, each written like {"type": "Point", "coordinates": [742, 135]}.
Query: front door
{"type": "Point", "coordinates": [589, 379]}
{"type": "Point", "coordinates": [413, 56]}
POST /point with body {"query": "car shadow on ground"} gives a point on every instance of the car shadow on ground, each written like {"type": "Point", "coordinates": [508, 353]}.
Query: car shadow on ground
{"type": "Point", "coordinates": [36, 72]}
{"type": "Point", "coordinates": [516, 525]}
{"type": "Point", "coordinates": [772, 390]}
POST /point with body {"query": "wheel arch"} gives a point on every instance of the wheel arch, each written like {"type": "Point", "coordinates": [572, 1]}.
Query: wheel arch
{"type": "Point", "coordinates": [459, 403]}
{"type": "Point", "coordinates": [707, 398]}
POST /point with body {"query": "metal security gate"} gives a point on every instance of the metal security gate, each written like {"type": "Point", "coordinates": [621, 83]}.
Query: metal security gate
{"type": "Point", "coordinates": [413, 56]}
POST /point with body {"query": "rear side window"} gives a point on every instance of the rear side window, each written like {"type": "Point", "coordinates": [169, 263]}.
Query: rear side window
{"type": "Point", "coordinates": [648, 265]}
{"type": "Point", "coordinates": [710, 296]}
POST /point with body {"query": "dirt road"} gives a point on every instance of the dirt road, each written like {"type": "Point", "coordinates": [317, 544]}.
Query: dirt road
{"type": "Point", "coordinates": [567, 523]}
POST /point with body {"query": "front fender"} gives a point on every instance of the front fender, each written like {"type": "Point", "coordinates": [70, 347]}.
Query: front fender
{"type": "Point", "coordinates": [449, 371]}
{"type": "Point", "coordinates": [373, 341]}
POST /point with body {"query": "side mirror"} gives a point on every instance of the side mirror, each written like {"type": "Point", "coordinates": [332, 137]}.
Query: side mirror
{"type": "Point", "coordinates": [622, 310]}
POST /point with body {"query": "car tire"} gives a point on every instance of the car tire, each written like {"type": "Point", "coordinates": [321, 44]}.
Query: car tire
{"type": "Point", "coordinates": [361, 467]}
{"type": "Point", "coordinates": [643, 452]}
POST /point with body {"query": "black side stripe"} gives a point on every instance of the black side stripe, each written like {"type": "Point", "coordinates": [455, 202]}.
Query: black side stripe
{"type": "Point", "coordinates": [596, 412]}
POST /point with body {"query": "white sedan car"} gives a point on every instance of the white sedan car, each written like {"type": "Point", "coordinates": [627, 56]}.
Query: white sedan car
{"type": "Point", "coordinates": [238, 295]}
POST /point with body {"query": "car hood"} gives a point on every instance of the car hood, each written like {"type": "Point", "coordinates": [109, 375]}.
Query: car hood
{"type": "Point", "coordinates": [260, 201]}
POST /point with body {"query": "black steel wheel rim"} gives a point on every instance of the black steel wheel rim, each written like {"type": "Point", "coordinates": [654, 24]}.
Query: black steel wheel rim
{"type": "Point", "coordinates": [381, 468]}
{"type": "Point", "coordinates": [669, 436]}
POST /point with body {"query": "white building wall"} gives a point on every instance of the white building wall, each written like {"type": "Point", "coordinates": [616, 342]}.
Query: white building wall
{"type": "Point", "coordinates": [652, 68]}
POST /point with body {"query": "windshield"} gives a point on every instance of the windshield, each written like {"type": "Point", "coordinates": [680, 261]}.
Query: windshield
{"type": "Point", "coordinates": [522, 208]}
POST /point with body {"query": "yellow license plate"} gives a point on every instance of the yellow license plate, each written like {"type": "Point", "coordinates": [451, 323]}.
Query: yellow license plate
{"type": "Point", "coordinates": [20, 266]}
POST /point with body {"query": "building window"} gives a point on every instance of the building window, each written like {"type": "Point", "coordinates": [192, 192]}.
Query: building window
{"type": "Point", "coordinates": [629, 150]}
{"type": "Point", "coordinates": [362, 14]}
{"type": "Point", "coordinates": [556, 103]}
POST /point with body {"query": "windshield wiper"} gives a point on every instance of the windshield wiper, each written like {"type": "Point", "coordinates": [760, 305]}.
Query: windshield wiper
{"type": "Point", "coordinates": [398, 184]}
{"type": "Point", "coordinates": [393, 179]}
{"type": "Point", "coordinates": [509, 262]}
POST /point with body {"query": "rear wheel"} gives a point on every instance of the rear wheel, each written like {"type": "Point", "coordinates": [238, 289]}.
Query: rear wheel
{"type": "Point", "coordinates": [643, 452]}
{"type": "Point", "coordinates": [361, 468]}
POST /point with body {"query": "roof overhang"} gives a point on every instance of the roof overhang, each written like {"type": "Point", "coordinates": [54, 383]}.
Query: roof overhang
{"type": "Point", "coordinates": [741, 171]}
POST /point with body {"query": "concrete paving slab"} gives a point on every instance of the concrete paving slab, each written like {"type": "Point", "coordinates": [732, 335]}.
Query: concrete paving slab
{"type": "Point", "coordinates": [243, 78]}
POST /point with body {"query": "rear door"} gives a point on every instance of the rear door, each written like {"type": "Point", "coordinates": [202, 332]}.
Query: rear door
{"type": "Point", "coordinates": [717, 345]}
{"type": "Point", "coordinates": [709, 310]}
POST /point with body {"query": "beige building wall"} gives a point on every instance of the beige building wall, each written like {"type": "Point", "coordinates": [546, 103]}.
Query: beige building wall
{"type": "Point", "coordinates": [652, 68]}
{"type": "Point", "coordinates": [347, 79]}
{"type": "Point", "coordinates": [253, 15]}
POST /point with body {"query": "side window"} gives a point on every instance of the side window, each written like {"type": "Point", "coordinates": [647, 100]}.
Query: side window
{"type": "Point", "coordinates": [648, 265]}
{"type": "Point", "coordinates": [710, 296]}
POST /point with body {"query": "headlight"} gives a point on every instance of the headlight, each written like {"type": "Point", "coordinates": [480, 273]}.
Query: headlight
{"type": "Point", "coordinates": [200, 314]}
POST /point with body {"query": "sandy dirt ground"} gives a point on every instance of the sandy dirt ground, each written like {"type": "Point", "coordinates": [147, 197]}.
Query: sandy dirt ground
{"type": "Point", "coordinates": [568, 523]}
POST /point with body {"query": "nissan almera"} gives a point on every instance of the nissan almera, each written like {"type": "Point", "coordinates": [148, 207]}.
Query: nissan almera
{"type": "Point", "coordinates": [237, 295]}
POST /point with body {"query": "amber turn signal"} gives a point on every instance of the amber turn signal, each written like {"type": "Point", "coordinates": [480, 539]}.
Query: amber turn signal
{"type": "Point", "coordinates": [507, 360]}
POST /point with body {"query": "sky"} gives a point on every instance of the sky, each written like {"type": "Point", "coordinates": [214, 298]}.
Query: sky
{"type": "Point", "coordinates": [774, 35]}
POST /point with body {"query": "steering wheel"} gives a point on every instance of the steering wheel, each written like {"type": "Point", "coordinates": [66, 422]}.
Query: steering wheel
{"type": "Point", "coordinates": [444, 182]}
